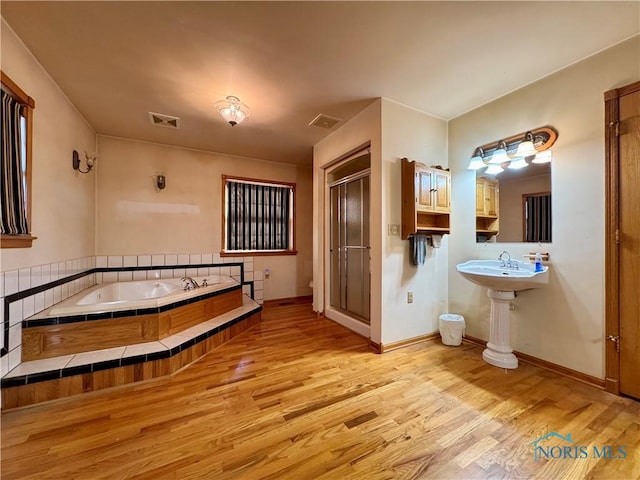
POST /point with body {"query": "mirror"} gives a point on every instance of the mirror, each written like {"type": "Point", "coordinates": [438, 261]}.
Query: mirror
{"type": "Point", "coordinates": [514, 205]}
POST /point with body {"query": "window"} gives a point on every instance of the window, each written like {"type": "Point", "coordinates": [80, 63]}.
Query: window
{"type": "Point", "coordinates": [15, 166]}
{"type": "Point", "coordinates": [537, 217]}
{"type": "Point", "coordinates": [258, 217]}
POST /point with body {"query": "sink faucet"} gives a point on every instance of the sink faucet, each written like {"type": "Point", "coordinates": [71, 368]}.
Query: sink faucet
{"type": "Point", "coordinates": [189, 283]}
{"type": "Point", "coordinates": [508, 263]}
{"type": "Point", "coordinates": [503, 262]}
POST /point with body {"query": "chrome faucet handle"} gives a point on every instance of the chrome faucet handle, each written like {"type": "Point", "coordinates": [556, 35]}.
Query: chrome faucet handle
{"type": "Point", "coordinates": [204, 283]}
{"type": "Point", "coordinates": [503, 262]}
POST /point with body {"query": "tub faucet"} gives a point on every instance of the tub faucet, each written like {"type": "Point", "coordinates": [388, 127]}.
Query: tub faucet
{"type": "Point", "coordinates": [189, 283]}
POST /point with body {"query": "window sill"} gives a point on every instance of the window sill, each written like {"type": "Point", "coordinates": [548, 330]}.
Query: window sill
{"type": "Point", "coordinates": [257, 253]}
{"type": "Point", "coordinates": [16, 241]}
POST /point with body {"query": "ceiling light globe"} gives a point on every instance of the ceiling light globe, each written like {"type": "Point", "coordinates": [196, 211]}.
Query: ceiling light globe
{"type": "Point", "coordinates": [494, 169]}
{"type": "Point", "coordinates": [518, 163]}
{"type": "Point", "coordinates": [543, 157]}
{"type": "Point", "coordinates": [233, 110]}
{"type": "Point", "coordinates": [526, 149]}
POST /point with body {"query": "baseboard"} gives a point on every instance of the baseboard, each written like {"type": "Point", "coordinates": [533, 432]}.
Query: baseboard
{"type": "Point", "coordinates": [612, 385]}
{"type": "Point", "coordinates": [553, 367]}
{"type": "Point", "coordinates": [382, 348]}
{"type": "Point", "coordinates": [279, 302]}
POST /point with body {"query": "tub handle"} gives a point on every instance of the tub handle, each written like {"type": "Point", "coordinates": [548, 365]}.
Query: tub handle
{"type": "Point", "coordinates": [204, 283]}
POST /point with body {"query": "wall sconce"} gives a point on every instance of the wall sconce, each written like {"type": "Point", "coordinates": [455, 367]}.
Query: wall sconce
{"type": "Point", "coordinates": [161, 182]}
{"type": "Point", "coordinates": [233, 110]}
{"type": "Point", "coordinates": [90, 159]}
{"type": "Point", "coordinates": [515, 152]}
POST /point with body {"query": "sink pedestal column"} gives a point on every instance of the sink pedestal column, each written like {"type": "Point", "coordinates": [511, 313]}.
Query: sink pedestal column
{"type": "Point", "coordinates": [499, 351]}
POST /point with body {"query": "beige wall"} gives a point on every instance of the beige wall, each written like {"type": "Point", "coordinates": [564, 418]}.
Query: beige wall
{"type": "Point", "coordinates": [63, 201]}
{"type": "Point", "coordinates": [409, 133]}
{"type": "Point", "coordinates": [364, 128]}
{"type": "Point", "coordinates": [186, 217]}
{"type": "Point", "coordinates": [394, 131]}
{"type": "Point", "coordinates": [564, 322]}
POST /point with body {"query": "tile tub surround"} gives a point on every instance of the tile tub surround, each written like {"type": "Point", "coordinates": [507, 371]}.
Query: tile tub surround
{"type": "Point", "coordinates": [54, 337]}
{"type": "Point", "coordinates": [52, 283]}
{"type": "Point", "coordinates": [43, 380]}
{"type": "Point", "coordinates": [64, 279]}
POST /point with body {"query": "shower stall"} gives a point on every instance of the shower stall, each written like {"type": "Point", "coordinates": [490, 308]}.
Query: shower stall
{"type": "Point", "coordinates": [349, 245]}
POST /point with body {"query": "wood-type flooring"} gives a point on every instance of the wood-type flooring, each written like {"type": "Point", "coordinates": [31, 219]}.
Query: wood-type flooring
{"type": "Point", "coordinates": [300, 397]}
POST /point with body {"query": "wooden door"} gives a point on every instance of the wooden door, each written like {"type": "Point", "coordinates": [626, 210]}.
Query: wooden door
{"type": "Point", "coordinates": [629, 250]}
{"type": "Point", "coordinates": [440, 186]}
{"type": "Point", "coordinates": [623, 240]}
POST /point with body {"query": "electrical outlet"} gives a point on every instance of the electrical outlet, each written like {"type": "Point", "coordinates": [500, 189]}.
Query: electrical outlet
{"type": "Point", "coordinates": [394, 230]}
{"type": "Point", "coordinates": [409, 297]}
{"type": "Point", "coordinates": [267, 273]}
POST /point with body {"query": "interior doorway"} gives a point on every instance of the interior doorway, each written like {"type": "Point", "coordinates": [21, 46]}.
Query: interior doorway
{"type": "Point", "coordinates": [622, 117]}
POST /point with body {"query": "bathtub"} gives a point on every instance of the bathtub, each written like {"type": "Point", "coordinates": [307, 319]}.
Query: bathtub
{"type": "Point", "coordinates": [117, 296]}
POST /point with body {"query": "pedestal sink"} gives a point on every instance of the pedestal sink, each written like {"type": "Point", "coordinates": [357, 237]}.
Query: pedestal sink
{"type": "Point", "coordinates": [502, 279]}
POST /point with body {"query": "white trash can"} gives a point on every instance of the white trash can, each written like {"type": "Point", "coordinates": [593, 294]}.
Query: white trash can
{"type": "Point", "coordinates": [451, 328]}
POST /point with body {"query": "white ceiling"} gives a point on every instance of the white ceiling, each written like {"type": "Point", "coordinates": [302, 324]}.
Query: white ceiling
{"type": "Point", "coordinates": [289, 61]}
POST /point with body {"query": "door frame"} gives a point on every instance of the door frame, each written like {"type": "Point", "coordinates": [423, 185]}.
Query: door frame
{"type": "Point", "coordinates": [612, 234]}
{"type": "Point", "coordinates": [331, 313]}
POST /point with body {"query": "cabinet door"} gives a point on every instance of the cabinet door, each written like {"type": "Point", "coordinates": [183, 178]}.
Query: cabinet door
{"type": "Point", "coordinates": [491, 195]}
{"type": "Point", "coordinates": [440, 187]}
{"type": "Point", "coordinates": [480, 197]}
{"type": "Point", "coordinates": [424, 198]}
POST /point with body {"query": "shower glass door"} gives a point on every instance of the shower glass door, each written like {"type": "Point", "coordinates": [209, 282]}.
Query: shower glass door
{"type": "Point", "coordinates": [349, 246]}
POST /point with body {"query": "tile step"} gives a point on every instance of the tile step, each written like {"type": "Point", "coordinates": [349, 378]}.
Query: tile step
{"type": "Point", "coordinates": [57, 367]}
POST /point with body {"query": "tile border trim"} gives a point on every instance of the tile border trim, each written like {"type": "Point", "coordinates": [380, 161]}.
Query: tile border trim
{"type": "Point", "coordinates": [89, 317]}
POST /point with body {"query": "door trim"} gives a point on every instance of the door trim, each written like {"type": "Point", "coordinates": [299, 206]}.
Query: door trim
{"type": "Point", "coordinates": [612, 259]}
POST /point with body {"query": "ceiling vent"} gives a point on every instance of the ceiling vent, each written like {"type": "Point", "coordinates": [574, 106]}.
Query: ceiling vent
{"type": "Point", "coordinates": [324, 121]}
{"type": "Point", "coordinates": [164, 120]}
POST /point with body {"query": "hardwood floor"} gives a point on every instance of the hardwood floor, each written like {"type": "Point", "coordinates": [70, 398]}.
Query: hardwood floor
{"type": "Point", "coordinates": [298, 397]}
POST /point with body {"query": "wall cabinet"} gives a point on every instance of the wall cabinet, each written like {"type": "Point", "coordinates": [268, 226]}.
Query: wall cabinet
{"type": "Point", "coordinates": [487, 209]}
{"type": "Point", "coordinates": [426, 199]}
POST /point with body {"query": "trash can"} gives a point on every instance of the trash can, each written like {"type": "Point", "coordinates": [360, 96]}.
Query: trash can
{"type": "Point", "coordinates": [451, 328]}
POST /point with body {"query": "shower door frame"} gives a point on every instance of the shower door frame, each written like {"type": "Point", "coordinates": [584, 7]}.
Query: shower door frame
{"type": "Point", "coordinates": [330, 312]}
{"type": "Point", "coordinates": [365, 173]}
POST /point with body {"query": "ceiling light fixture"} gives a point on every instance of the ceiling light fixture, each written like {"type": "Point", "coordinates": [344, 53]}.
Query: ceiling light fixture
{"type": "Point", "coordinates": [233, 110]}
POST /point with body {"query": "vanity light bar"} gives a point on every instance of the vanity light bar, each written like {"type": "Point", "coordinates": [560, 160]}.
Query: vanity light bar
{"type": "Point", "coordinates": [543, 139]}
